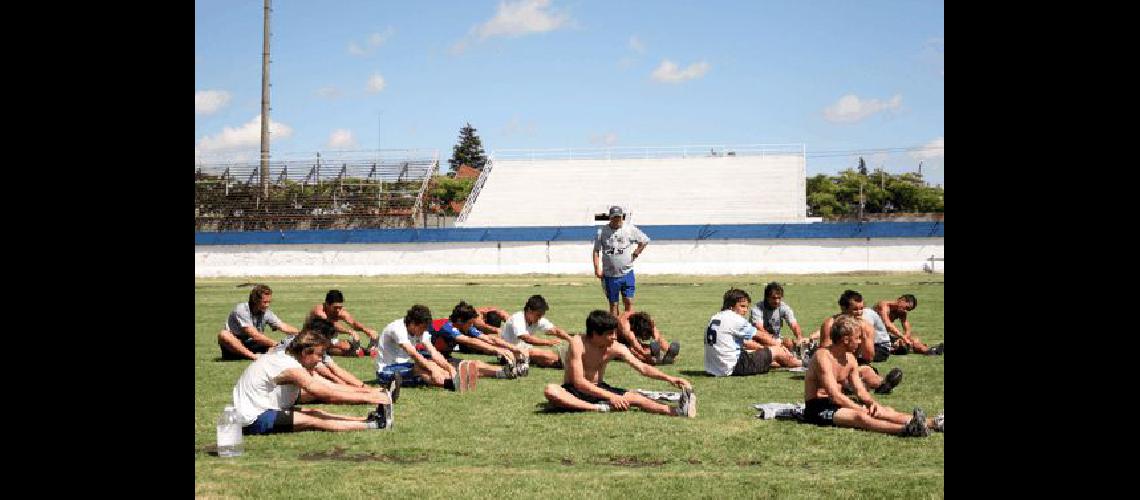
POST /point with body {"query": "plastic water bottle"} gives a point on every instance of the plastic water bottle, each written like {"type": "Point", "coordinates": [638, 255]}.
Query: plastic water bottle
{"type": "Point", "coordinates": [229, 433]}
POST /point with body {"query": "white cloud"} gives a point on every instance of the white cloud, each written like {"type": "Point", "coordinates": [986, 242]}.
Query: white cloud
{"type": "Point", "coordinates": [376, 83]}
{"type": "Point", "coordinates": [329, 92]}
{"type": "Point", "coordinates": [930, 151]}
{"type": "Point", "coordinates": [341, 138]}
{"type": "Point", "coordinates": [208, 102]}
{"type": "Point", "coordinates": [850, 109]}
{"type": "Point", "coordinates": [374, 41]}
{"type": "Point", "coordinates": [668, 72]}
{"type": "Point", "coordinates": [247, 136]}
{"type": "Point", "coordinates": [522, 17]}
{"type": "Point", "coordinates": [607, 139]}
{"type": "Point", "coordinates": [636, 44]}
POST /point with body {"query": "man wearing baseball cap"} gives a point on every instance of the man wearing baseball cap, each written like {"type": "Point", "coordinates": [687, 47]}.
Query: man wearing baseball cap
{"type": "Point", "coordinates": [613, 258]}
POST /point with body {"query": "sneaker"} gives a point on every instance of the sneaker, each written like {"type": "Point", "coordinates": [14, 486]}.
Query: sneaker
{"type": "Point", "coordinates": [671, 354]}
{"type": "Point", "coordinates": [893, 378]}
{"type": "Point", "coordinates": [939, 423]}
{"type": "Point", "coordinates": [509, 370]}
{"type": "Point", "coordinates": [381, 417]}
{"type": "Point", "coordinates": [688, 404]}
{"type": "Point", "coordinates": [603, 407]}
{"type": "Point", "coordinates": [522, 369]}
{"type": "Point", "coordinates": [655, 353]}
{"type": "Point", "coordinates": [917, 425]}
{"type": "Point", "coordinates": [393, 388]}
{"type": "Point", "coordinates": [937, 350]}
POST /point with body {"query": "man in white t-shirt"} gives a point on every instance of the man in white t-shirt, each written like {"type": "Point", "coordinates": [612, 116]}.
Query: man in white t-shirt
{"type": "Point", "coordinates": [329, 371]}
{"type": "Point", "coordinates": [241, 338]}
{"type": "Point", "coordinates": [265, 393]}
{"type": "Point", "coordinates": [613, 258]}
{"type": "Point", "coordinates": [400, 359]}
{"type": "Point", "coordinates": [521, 331]}
{"type": "Point", "coordinates": [728, 330]}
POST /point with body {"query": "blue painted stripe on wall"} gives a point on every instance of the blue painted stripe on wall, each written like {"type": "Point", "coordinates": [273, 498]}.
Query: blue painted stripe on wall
{"type": "Point", "coordinates": [575, 233]}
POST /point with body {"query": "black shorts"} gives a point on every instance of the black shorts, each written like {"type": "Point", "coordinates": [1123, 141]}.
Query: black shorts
{"type": "Point", "coordinates": [820, 411]}
{"type": "Point", "coordinates": [591, 399]}
{"type": "Point", "coordinates": [270, 422]}
{"type": "Point", "coordinates": [757, 362]}
{"type": "Point", "coordinates": [250, 344]}
{"type": "Point", "coordinates": [882, 352]}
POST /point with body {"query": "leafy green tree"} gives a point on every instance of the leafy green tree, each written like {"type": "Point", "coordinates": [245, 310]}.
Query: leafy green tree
{"type": "Point", "coordinates": [447, 190]}
{"type": "Point", "coordinates": [469, 150]}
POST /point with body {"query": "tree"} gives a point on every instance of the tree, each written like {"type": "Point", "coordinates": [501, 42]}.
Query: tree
{"type": "Point", "coordinates": [447, 190]}
{"type": "Point", "coordinates": [468, 151]}
{"type": "Point", "coordinates": [862, 167]}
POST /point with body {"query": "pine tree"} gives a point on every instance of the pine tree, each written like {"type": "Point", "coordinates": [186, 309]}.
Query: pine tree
{"type": "Point", "coordinates": [469, 150]}
{"type": "Point", "coordinates": [862, 167]}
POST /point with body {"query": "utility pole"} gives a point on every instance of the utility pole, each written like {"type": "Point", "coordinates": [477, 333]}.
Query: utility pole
{"type": "Point", "coordinates": [265, 105]}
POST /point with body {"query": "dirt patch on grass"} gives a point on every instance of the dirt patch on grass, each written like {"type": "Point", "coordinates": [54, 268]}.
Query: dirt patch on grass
{"type": "Point", "coordinates": [338, 453]}
{"type": "Point", "coordinates": [635, 462]}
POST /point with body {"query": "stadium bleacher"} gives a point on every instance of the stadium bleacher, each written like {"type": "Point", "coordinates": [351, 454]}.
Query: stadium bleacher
{"type": "Point", "coordinates": [693, 185]}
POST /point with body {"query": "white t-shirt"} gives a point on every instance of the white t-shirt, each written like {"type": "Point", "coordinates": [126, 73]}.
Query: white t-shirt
{"type": "Point", "coordinates": [516, 325]}
{"type": "Point", "coordinates": [394, 334]}
{"type": "Point", "coordinates": [256, 392]}
{"type": "Point", "coordinates": [616, 247]}
{"type": "Point", "coordinates": [724, 339]}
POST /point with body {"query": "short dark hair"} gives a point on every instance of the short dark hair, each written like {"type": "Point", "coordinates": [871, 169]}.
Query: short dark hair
{"type": "Point", "coordinates": [773, 287]}
{"type": "Point", "coordinates": [463, 312]}
{"type": "Point", "coordinates": [843, 326]}
{"type": "Point", "coordinates": [600, 321]}
{"type": "Point", "coordinates": [848, 296]}
{"type": "Point", "coordinates": [642, 325]}
{"type": "Point", "coordinates": [732, 296]}
{"type": "Point", "coordinates": [536, 303]}
{"type": "Point", "coordinates": [333, 297]}
{"type": "Point", "coordinates": [418, 314]}
{"type": "Point", "coordinates": [258, 292]}
{"type": "Point", "coordinates": [321, 326]}
{"type": "Point", "coordinates": [306, 340]}
{"type": "Point", "coordinates": [493, 318]}
{"type": "Point", "coordinates": [911, 298]}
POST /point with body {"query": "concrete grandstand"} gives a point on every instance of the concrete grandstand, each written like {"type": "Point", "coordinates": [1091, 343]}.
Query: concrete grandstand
{"type": "Point", "coordinates": [748, 184]}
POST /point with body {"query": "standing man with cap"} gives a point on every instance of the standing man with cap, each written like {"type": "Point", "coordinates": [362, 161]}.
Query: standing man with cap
{"type": "Point", "coordinates": [615, 269]}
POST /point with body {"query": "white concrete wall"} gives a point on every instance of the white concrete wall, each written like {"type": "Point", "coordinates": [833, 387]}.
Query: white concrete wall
{"type": "Point", "coordinates": [661, 257]}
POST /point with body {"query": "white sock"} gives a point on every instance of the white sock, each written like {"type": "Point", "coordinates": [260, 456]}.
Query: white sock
{"type": "Point", "coordinates": [603, 407]}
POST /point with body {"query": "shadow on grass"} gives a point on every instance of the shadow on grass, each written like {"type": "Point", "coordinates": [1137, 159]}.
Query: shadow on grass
{"type": "Point", "coordinates": [695, 373]}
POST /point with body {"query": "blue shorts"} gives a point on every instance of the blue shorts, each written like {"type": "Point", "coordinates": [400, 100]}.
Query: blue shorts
{"type": "Point", "coordinates": [269, 422]}
{"type": "Point", "coordinates": [405, 370]}
{"type": "Point", "coordinates": [626, 285]}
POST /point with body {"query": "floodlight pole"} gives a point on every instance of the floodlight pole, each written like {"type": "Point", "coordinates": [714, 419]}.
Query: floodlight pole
{"type": "Point", "coordinates": [265, 105]}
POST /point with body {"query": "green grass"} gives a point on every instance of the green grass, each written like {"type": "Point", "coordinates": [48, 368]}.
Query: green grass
{"type": "Point", "coordinates": [492, 444]}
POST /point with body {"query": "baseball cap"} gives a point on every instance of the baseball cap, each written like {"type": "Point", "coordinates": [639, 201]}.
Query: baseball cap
{"type": "Point", "coordinates": [616, 211]}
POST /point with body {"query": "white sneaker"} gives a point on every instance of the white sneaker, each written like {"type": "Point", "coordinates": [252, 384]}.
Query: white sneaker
{"type": "Point", "coordinates": [688, 404]}
{"type": "Point", "coordinates": [939, 423]}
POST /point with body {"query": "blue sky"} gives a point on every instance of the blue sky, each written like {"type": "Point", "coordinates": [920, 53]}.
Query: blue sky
{"type": "Point", "coordinates": [847, 79]}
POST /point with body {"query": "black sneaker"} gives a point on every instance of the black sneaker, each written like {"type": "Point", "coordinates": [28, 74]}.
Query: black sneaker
{"type": "Point", "coordinates": [655, 353]}
{"type": "Point", "coordinates": [893, 378]}
{"type": "Point", "coordinates": [938, 349]}
{"type": "Point", "coordinates": [671, 354]}
{"type": "Point", "coordinates": [380, 417]}
{"type": "Point", "coordinates": [917, 425]}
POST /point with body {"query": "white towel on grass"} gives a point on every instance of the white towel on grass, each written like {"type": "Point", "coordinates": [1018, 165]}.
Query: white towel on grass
{"type": "Point", "coordinates": [782, 411]}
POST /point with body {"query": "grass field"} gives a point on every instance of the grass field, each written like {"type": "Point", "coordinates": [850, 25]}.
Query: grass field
{"type": "Point", "coordinates": [493, 444]}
